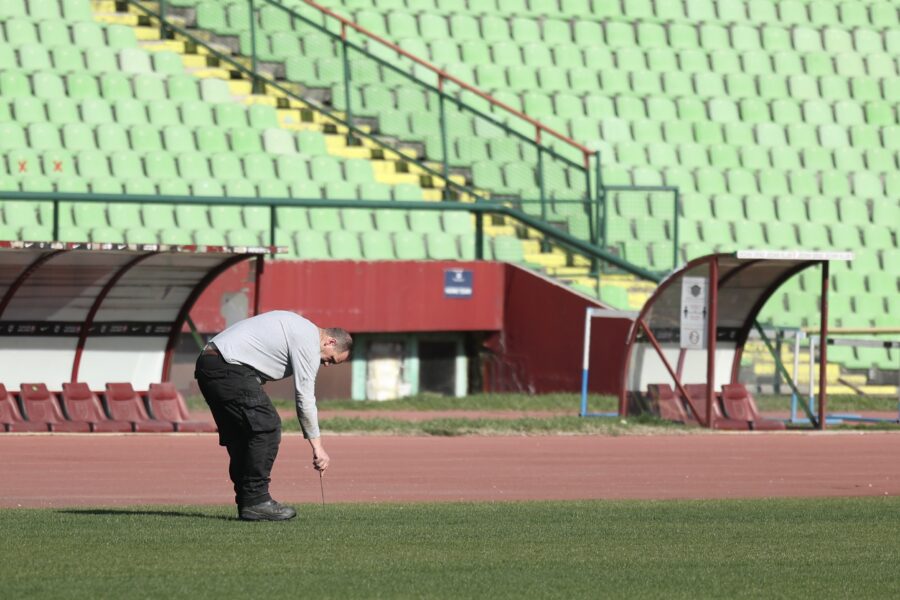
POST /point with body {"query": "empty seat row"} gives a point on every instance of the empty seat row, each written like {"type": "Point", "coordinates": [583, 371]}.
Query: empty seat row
{"type": "Point", "coordinates": [380, 245]}
{"type": "Point", "coordinates": [398, 23]}
{"type": "Point", "coordinates": [82, 34]}
{"type": "Point", "coordinates": [77, 409]}
{"type": "Point", "coordinates": [70, 10]}
{"type": "Point", "coordinates": [733, 408]}
{"type": "Point", "coordinates": [63, 59]}
{"type": "Point", "coordinates": [147, 87]}
{"type": "Point", "coordinates": [191, 165]}
{"type": "Point", "coordinates": [253, 217]}
{"type": "Point", "coordinates": [104, 116]}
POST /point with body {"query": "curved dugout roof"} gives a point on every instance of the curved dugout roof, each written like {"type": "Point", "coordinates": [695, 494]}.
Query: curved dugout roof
{"type": "Point", "coordinates": [746, 280]}
{"type": "Point", "coordinates": [99, 312]}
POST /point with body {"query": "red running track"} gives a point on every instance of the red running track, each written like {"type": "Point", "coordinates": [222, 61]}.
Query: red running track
{"type": "Point", "coordinates": [69, 470]}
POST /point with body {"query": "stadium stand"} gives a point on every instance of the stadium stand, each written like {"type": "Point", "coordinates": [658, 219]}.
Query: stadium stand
{"type": "Point", "coordinates": [776, 121]}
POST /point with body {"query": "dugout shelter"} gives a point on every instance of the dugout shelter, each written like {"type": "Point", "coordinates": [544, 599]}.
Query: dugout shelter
{"type": "Point", "coordinates": [99, 313]}
{"type": "Point", "coordinates": [667, 344]}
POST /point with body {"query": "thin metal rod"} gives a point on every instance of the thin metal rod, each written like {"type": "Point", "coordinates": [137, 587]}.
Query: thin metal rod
{"type": "Point", "coordinates": [823, 348]}
{"type": "Point", "coordinates": [445, 152]}
{"type": "Point", "coordinates": [479, 236]}
{"type": "Point", "coordinates": [712, 319]}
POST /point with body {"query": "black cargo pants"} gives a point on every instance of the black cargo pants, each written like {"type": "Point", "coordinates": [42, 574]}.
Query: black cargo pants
{"type": "Point", "coordinates": [249, 426]}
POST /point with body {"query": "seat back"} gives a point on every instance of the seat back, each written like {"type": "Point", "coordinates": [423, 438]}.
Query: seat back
{"type": "Point", "coordinates": [81, 403]}
{"type": "Point", "coordinates": [166, 403]}
{"type": "Point", "coordinates": [123, 403]}
{"type": "Point", "coordinates": [9, 412]}
{"type": "Point", "coordinates": [697, 394]}
{"type": "Point", "coordinates": [668, 404]}
{"type": "Point", "coordinates": [39, 405]}
{"type": "Point", "coordinates": [738, 402]}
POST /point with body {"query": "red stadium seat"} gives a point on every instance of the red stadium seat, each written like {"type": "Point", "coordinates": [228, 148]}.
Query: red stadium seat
{"type": "Point", "coordinates": [40, 406]}
{"type": "Point", "coordinates": [82, 405]}
{"type": "Point", "coordinates": [697, 393]}
{"type": "Point", "coordinates": [739, 404]}
{"type": "Point", "coordinates": [668, 404]}
{"type": "Point", "coordinates": [166, 404]}
{"type": "Point", "coordinates": [11, 420]}
{"type": "Point", "coordinates": [124, 404]}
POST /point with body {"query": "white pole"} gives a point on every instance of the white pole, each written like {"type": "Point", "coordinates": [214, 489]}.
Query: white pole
{"type": "Point", "coordinates": [584, 363]}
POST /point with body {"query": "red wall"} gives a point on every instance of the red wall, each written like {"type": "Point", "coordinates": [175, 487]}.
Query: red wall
{"type": "Point", "coordinates": [543, 337]}
{"type": "Point", "coordinates": [371, 297]}
{"type": "Point", "coordinates": [537, 324]}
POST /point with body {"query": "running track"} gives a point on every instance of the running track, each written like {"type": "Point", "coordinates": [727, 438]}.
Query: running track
{"type": "Point", "coordinates": [54, 470]}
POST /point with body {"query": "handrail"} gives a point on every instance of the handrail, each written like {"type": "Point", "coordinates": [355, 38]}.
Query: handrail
{"type": "Point", "coordinates": [442, 75]}
{"type": "Point", "coordinates": [479, 209]}
{"type": "Point", "coordinates": [253, 75]}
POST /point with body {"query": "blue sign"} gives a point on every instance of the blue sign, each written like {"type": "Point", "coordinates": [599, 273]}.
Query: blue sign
{"type": "Point", "coordinates": [457, 283]}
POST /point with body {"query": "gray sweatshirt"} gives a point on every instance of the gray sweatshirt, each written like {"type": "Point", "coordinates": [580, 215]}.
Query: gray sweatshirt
{"type": "Point", "coordinates": [279, 344]}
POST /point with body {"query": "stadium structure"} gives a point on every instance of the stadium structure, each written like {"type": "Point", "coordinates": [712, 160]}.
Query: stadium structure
{"type": "Point", "coordinates": [454, 181]}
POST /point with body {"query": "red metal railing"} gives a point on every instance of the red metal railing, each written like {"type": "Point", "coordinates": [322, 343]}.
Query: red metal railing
{"type": "Point", "coordinates": [445, 76]}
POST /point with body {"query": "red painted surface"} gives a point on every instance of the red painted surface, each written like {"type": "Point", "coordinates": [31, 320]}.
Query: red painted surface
{"type": "Point", "coordinates": [371, 297]}
{"type": "Point", "coordinates": [381, 297]}
{"type": "Point", "coordinates": [51, 470]}
{"type": "Point", "coordinates": [543, 337]}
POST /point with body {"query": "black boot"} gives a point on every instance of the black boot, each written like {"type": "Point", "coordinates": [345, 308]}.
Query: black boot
{"type": "Point", "coordinates": [267, 511]}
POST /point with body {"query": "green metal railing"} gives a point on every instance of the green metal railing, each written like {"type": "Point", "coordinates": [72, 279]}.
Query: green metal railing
{"type": "Point", "coordinates": [478, 210]}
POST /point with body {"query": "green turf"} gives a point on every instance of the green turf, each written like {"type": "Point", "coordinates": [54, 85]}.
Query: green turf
{"type": "Point", "coordinates": [554, 402]}
{"type": "Point", "coordinates": [788, 548]}
{"type": "Point", "coordinates": [484, 426]}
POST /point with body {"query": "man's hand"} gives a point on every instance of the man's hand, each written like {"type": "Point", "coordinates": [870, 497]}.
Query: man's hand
{"type": "Point", "coordinates": [320, 457]}
{"type": "Point", "coordinates": [321, 460]}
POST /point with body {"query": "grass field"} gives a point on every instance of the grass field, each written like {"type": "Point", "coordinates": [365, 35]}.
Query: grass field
{"type": "Point", "coordinates": [676, 549]}
{"type": "Point", "coordinates": [562, 424]}
{"type": "Point", "coordinates": [553, 402]}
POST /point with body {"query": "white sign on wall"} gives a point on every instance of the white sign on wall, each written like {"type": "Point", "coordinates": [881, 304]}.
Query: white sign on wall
{"type": "Point", "coordinates": [693, 313]}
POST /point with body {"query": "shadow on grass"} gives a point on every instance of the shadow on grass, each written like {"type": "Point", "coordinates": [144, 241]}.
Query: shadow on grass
{"type": "Point", "coordinates": [98, 512]}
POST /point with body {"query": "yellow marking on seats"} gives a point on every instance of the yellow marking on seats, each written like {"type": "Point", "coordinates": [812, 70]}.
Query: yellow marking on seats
{"type": "Point", "coordinates": [114, 18]}
{"type": "Point", "coordinates": [146, 33]}
{"type": "Point", "coordinates": [103, 6]}
{"type": "Point", "coordinates": [240, 87]}
{"type": "Point", "coordinates": [210, 73]}
{"type": "Point", "coordinates": [169, 45]}
{"type": "Point", "coordinates": [260, 99]}
{"type": "Point", "coordinates": [193, 61]}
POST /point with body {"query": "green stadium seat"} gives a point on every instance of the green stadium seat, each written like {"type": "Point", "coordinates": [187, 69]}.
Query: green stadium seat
{"type": "Point", "coordinates": [813, 236]}
{"type": "Point", "coordinates": [376, 245]}
{"type": "Point", "coordinates": [344, 245]}
{"type": "Point", "coordinates": [442, 246]}
{"type": "Point", "coordinates": [258, 167]}
{"type": "Point", "coordinates": [409, 246]}
{"type": "Point", "coordinates": [823, 210]}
